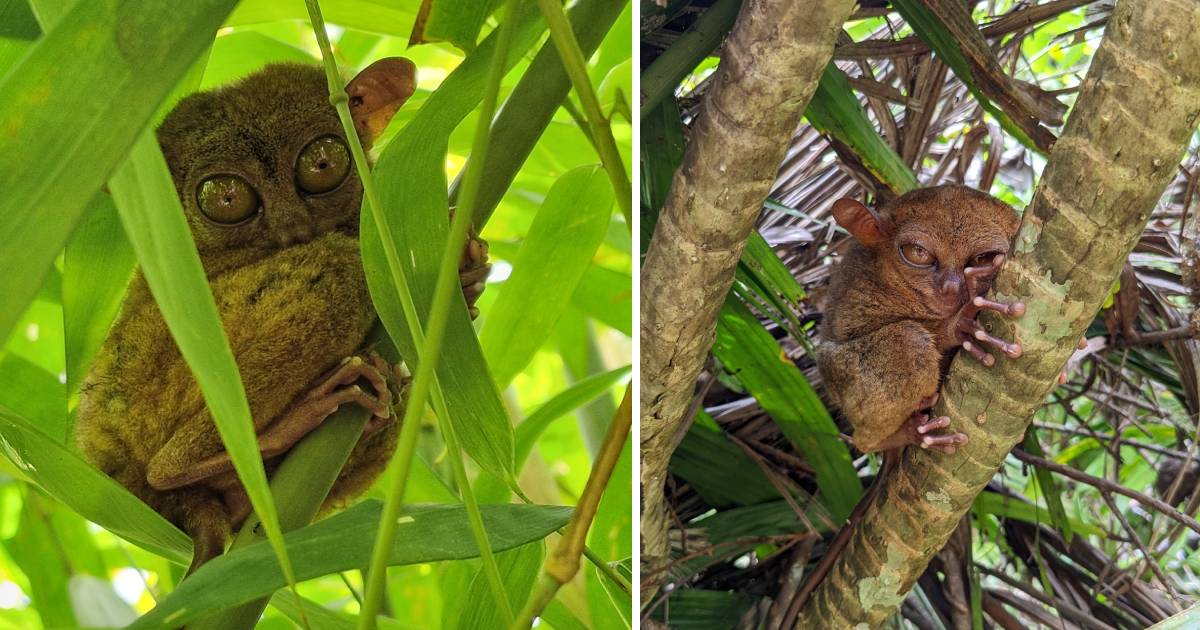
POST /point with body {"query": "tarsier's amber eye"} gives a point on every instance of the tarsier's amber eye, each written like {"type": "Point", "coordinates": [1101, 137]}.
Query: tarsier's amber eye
{"type": "Point", "coordinates": [323, 165]}
{"type": "Point", "coordinates": [227, 199]}
{"type": "Point", "coordinates": [982, 260]}
{"type": "Point", "coordinates": [916, 255]}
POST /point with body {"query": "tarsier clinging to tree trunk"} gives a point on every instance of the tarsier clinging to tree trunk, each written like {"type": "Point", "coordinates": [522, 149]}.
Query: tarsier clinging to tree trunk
{"type": "Point", "coordinates": [903, 301]}
{"type": "Point", "coordinates": [900, 305]}
{"type": "Point", "coordinates": [272, 199]}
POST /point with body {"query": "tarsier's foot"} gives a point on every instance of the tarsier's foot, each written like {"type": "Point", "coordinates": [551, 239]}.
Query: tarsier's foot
{"type": "Point", "coordinates": [329, 394]}
{"type": "Point", "coordinates": [971, 335]}
{"type": "Point", "coordinates": [473, 268]}
{"type": "Point", "coordinates": [921, 424]}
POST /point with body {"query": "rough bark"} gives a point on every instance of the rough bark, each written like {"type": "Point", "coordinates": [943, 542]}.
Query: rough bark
{"type": "Point", "coordinates": [769, 69]}
{"type": "Point", "coordinates": [1138, 108]}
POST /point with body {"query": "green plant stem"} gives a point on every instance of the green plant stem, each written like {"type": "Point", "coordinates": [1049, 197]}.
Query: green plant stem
{"type": "Point", "coordinates": [410, 428]}
{"type": "Point", "coordinates": [663, 74]}
{"type": "Point", "coordinates": [532, 104]}
{"type": "Point", "coordinates": [563, 563]}
{"type": "Point", "coordinates": [430, 347]}
{"type": "Point", "coordinates": [576, 66]}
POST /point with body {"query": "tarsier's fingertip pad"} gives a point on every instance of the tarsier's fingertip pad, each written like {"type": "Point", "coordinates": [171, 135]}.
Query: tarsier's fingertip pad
{"type": "Point", "coordinates": [1016, 309]}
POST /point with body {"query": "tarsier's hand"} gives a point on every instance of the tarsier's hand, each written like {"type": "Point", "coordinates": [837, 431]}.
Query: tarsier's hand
{"type": "Point", "coordinates": [473, 268]}
{"type": "Point", "coordinates": [970, 333]}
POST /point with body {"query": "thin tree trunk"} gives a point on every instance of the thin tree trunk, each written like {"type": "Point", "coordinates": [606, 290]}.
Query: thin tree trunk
{"type": "Point", "coordinates": [769, 69]}
{"type": "Point", "coordinates": [1137, 111]}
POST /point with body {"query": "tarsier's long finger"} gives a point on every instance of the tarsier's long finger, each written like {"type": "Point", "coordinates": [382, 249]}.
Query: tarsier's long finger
{"type": "Point", "coordinates": [356, 394]}
{"type": "Point", "coordinates": [986, 270]}
{"type": "Point", "coordinates": [973, 274]}
{"type": "Point", "coordinates": [945, 443]}
{"type": "Point", "coordinates": [979, 354]}
{"type": "Point", "coordinates": [940, 422]}
{"type": "Point", "coordinates": [1016, 309]}
{"type": "Point", "coordinates": [1013, 350]}
{"type": "Point", "coordinates": [351, 369]}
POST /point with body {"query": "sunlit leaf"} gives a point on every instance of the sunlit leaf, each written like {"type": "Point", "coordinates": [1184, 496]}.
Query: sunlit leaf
{"type": "Point", "coordinates": [425, 534]}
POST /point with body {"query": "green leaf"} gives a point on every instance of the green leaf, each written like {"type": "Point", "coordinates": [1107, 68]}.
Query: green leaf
{"type": "Point", "coordinates": [388, 17]}
{"type": "Point", "coordinates": [607, 296]}
{"type": "Point", "coordinates": [96, 269]}
{"type": "Point", "coordinates": [343, 541]}
{"type": "Point", "coordinates": [519, 567]}
{"type": "Point", "coordinates": [323, 618]}
{"type": "Point", "coordinates": [566, 401]}
{"type": "Point", "coordinates": [412, 186]}
{"type": "Point", "coordinates": [451, 21]}
{"type": "Point", "coordinates": [43, 560]}
{"type": "Point", "coordinates": [1010, 507]}
{"type": "Point", "coordinates": [718, 469]}
{"type": "Point", "coordinates": [835, 110]}
{"type": "Point", "coordinates": [154, 220]}
{"type": "Point", "coordinates": [749, 352]}
{"type": "Point", "coordinates": [72, 107]}
{"type": "Point", "coordinates": [89, 492]}
{"type": "Point", "coordinates": [18, 30]}
{"type": "Point", "coordinates": [611, 537]}
{"type": "Point", "coordinates": [663, 145]}
{"type": "Point", "coordinates": [1049, 490]}
{"type": "Point", "coordinates": [696, 609]}
{"type": "Point", "coordinates": [238, 54]}
{"type": "Point", "coordinates": [35, 394]}
{"type": "Point", "coordinates": [558, 249]}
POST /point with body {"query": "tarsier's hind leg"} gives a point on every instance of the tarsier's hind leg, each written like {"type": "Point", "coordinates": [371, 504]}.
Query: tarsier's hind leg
{"type": "Point", "coordinates": [878, 396]}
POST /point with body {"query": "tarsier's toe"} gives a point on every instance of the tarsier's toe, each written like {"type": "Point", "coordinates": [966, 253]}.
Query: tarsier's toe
{"type": "Point", "coordinates": [947, 444]}
{"type": "Point", "coordinates": [933, 424]}
{"type": "Point", "coordinates": [977, 352]}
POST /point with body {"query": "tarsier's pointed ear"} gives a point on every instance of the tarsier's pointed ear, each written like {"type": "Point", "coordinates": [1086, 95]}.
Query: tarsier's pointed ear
{"type": "Point", "coordinates": [377, 92]}
{"type": "Point", "coordinates": [861, 222]}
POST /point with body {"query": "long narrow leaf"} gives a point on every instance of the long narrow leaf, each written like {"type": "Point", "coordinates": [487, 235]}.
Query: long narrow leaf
{"type": "Point", "coordinates": [412, 186]}
{"type": "Point", "coordinates": [72, 107]}
{"type": "Point", "coordinates": [154, 221]}
{"type": "Point", "coordinates": [89, 492]}
{"type": "Point", "coordinates": [425, 534]}
{"type": "Point", "coordinates": [748, 351]}
{"type": "Point", "coordinates": [557, 251]}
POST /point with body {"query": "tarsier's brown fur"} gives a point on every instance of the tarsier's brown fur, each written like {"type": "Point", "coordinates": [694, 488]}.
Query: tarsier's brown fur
{"type": "Point", "coordinates": [891, 327]}
{"type": "Point", "coordinates": [291, 293]}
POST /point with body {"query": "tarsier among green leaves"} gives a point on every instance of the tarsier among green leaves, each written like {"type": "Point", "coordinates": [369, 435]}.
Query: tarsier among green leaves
{"type": "Point", "coordinates": [272, 199]}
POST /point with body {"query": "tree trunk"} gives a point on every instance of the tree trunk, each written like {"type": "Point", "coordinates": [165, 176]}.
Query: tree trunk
{"type": "Point", "coordinates": [1134, 117]}
{"type": "Point", "coordinates": [769, 69]}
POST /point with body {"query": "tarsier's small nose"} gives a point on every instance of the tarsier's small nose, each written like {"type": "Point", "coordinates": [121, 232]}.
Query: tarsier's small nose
{"type": "Point", "coordinates": [951, 285]}
{"type": "Point", "coordinates": [294, 234]}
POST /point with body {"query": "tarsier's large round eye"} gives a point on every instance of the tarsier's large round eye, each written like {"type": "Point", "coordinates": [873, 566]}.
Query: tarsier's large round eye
{"type": "Point", "coordinates": [227, 199]}
{"type": "Point", "coordinates": [323, 165]}
{"type": "Point", "coordinates": [916, 255]}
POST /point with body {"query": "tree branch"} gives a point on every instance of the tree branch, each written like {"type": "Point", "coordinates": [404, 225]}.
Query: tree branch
{"type": "Point", "coordinates": [770, 67]}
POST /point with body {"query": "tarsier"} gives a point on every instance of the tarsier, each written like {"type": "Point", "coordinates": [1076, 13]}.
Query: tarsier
{"type": "Point", "coordinates": [903, 301]}
{"type": "Point", "coordinates": [272, 199]}
{"type": "Point", "coordinates": [900, 305]}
